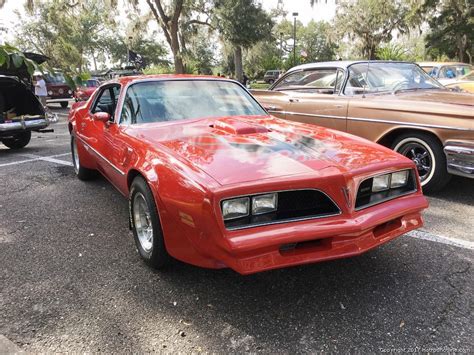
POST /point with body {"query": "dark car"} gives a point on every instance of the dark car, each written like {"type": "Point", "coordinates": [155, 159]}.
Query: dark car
{"type": "Point", "coordinates": [20, 111]}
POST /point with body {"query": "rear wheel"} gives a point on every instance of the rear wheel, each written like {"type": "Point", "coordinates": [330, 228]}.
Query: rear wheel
{"type": "Point", "coordinates": [81, 172]}
{"type": "Point", "coordinates": [18, 141]}
{"type": "Point", "coordinates": [427, 154]}
{"type": "Point", "coordinates": [271, 81]}
{"type": "Point", "coordinates": [64, 104]}
{"type": "Point", "coordinates": [146, 225]}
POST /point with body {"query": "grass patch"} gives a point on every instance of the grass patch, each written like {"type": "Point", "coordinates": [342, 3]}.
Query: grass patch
{"type": "Point", "coordinates": [259, 86]}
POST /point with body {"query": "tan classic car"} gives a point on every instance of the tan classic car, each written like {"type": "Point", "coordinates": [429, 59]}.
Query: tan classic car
{"type": "Point", "coordinates": [393, 103]}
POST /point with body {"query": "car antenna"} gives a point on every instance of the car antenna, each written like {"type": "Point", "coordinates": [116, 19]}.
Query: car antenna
{"type": "Point", "coordinates": [366, 81]}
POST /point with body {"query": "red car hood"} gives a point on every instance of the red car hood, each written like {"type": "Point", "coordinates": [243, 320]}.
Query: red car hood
{"type": "Point", "coordinates": [241, 149]}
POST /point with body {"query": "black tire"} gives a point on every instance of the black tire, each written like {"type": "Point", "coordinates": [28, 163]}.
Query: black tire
{"type": "Point", "coordinates": [81, 172]}
{"type": "Point", "coordinates": [154, 254]}
{"type": "Point", "coordinates": [19, 141]}
{"type": "Point", "coordinates": [426, 151]}
{"type": "Point", "coordinates": [64, 104]}
{"type": "Point", "coordinates": [271, 81]}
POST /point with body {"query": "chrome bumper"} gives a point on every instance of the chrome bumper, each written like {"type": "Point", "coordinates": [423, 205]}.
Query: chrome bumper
{"type": "Point", "coordinates": [55, 101]}
{"type": "Point", "coordinates": [460, 158]}
{"type": "Point", "coordinates": [22, 125]}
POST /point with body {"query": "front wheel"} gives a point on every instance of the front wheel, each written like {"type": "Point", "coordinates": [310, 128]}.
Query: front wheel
{"type": "Point", "coordinates": [427, 154]}
{"type": "Point", "coordinates": [18, 141]}
{"type": "Point", "coordinates": [81, 172]}
{"type": "Point", "coordinates": [146, 225]}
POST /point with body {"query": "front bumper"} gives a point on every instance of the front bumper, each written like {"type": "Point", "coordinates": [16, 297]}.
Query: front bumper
{"type": "Point", "coordinates": [58, 100]}
{"type": "Point", "coordinates": [260, 249]}
{"type": "Point", "coordinates": [24, 124]}
{"type": "Point", "coordinates": [460, 158]}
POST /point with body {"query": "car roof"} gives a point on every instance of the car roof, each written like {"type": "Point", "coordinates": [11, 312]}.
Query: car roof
{"type": "Point", "coordinates": [343, 64]}
{"type": "Point", "coordinates": [125, 80]}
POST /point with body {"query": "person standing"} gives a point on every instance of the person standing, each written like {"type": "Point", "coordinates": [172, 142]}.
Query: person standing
{"type": "Point", "coordinates": [40, 89]}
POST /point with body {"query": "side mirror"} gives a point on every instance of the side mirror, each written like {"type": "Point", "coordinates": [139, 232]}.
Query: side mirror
{"type": "Point", "coordinates": [101, 116]}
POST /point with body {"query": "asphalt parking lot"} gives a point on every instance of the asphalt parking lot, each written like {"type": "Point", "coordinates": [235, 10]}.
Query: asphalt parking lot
{"type": "Point", "coordinates": [72, 281]}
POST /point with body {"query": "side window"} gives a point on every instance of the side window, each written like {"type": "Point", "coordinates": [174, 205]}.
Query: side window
{"type": "Point", "coordinates": [447, 73]}
{"type": "Point", "coordinates": [107, 100]}
{"type": "Point", "coordinates": [323, 79]}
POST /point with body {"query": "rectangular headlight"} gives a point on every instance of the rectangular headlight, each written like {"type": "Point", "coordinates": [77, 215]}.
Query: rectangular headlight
{"type": "Point", "coordinates": [235, 208]}
{"type": "Point", "coordinates": [264, 204]}
{"type": "Point", "coordinates": [399, 179]}
{"type": "Point", "coordinates": [381, 183]}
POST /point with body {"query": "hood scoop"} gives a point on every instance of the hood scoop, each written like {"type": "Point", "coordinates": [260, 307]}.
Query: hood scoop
{"type": "Point", "coordinates": [237, 127]}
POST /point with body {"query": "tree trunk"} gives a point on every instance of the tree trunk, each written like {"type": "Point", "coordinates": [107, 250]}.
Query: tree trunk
{"type": "Point", "coordinates": [176, 49]}
{"type": "Point", "coordinates": [239, 74]}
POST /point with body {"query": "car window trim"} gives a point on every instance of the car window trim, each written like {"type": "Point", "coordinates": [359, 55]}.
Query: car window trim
{"type": "Point", "coordinates": [99, 94]}
{"type": "Point", "coordinates": [272, 88]}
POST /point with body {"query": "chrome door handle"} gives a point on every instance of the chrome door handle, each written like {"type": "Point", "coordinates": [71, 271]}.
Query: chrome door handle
{"type": "Point", "coordinates": [339, 106]}
{"type": "Point", "coordinates": [272, 108]}
{"type": "Point", "coordinates": [294, 100]}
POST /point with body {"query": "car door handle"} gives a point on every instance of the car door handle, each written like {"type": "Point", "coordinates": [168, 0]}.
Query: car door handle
{"type": "Point", "coordinates": [272, 108]}
{"type": "Point", "coordinates": [339, 106]}
{"type": "Point", "coordinates": [294, 100]}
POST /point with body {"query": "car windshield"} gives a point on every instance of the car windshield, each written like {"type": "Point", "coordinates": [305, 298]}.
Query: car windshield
{"type": "Point", "coordinates": [55, 78]}
{"type": "Point", "coordinates": [172, 100]}
{"type": "Point", "coordinates": [387, 77]}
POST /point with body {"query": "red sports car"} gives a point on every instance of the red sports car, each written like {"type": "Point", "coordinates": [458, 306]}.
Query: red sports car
{"type": "Point", "coordinates": [84, 92]}
{"type": "Point", "coordinates": [215, 181]}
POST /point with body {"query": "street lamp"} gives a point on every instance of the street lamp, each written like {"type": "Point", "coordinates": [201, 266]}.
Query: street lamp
{"type": "Point", "coordinates": [281, 45]}
{"type": "Point", "coordinates": [295, 14]}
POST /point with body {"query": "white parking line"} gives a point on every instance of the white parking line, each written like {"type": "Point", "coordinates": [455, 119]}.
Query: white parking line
{"type": "Point", "coordinates": [460, 243]}
{"type": "Point", "coordinates": [33, 157]}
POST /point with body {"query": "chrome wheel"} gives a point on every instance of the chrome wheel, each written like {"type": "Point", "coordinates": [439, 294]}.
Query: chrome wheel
{"type": "Point", "coordinates": [142, 222]}
{"type": "Point", "coordinates": [75, 156]}
{"type": "Point", "coordinates": [421, 154]}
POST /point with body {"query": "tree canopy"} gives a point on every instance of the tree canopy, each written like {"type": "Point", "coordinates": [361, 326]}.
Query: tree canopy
{"type": "Point", "coordinates": [204, 36]}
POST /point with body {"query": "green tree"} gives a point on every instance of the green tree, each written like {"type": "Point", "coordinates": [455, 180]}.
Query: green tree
{"type": "Point", "coordinates": [200, 52]}
{"type": "Point", "coordinates": [314, 41]}
{"type": "Point", "coordinates": [174, 17]}
{"type": "Point", "coordinates": [242, 23]}
{"type": "Point", "coordinates": [263, 56]}
{"type": "Point", "coordinates": [372, 22]}
{"type": "Point", "coordinates": [67, 32]}
{"type": "Point", "coordinates": [451, 28]}
{"type": "Point", "coordinates": [137, 40]}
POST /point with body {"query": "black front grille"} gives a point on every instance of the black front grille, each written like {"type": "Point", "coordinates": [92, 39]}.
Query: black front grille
{"type": "Point", "coordinates": [292, 206]}
{"type": "Point", "coordinates": [366, 198]}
